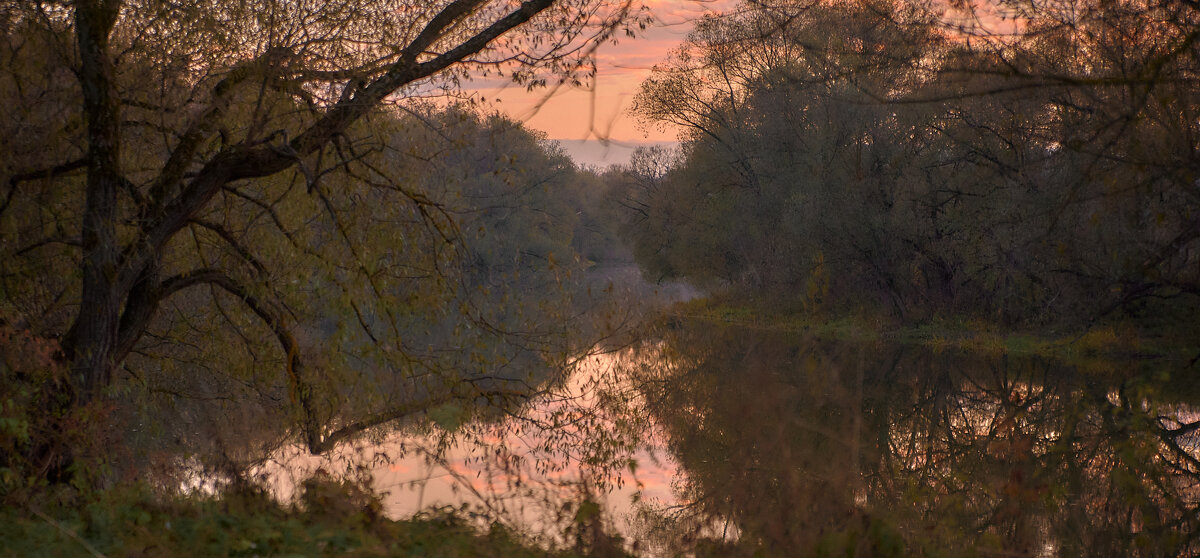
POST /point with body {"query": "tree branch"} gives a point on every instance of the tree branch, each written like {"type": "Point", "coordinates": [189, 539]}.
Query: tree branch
{"type": "Point", "coordinates": [200, 129]}
{"type": "Point", "coordinates": [47, 173]}
{"type": "Point", "coordinates": [299, 392]}
{"type": "Point", "coordinates": [40, 174]}
{"type": "Point", "coordinates": [329, 441]}
{"type": "Point", "coordinates": [244, 162]}
{"type": "Point", "coordinates": [233, 243]}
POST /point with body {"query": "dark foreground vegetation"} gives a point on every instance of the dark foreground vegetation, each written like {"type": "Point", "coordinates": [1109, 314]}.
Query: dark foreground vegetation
{"type": "Point", "coordinates": [79, 481]}
{"type": "Point", "coordinates": [331, 519]}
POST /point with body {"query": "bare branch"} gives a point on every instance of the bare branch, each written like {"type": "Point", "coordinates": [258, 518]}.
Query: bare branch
{"type": "Point", "coordinates": [299, 391]}
{"type": "Point", "coordinates": [234, 244]}
{"type": "Point", "coordinates": [47, 173]}
{"type": "Point", "coordinates": [240, 163]}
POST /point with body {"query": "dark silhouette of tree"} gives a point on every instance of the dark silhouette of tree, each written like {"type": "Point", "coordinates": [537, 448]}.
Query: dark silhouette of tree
{"type": "Point", "coordinates": [930, 163]}
{"type": "Point", "coordinates": [159, 151]}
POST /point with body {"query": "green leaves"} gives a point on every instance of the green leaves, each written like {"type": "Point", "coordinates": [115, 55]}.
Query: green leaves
{"type": "Point", "coordinates": [449, 416]}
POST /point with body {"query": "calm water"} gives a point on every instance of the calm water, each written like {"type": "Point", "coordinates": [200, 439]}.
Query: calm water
{"type": "Point", "coordinates": [732, 441]}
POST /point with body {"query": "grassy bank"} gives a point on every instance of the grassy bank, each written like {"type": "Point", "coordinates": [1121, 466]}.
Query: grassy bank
{"type": "Point", "coordinates": [332, 519]}
{"type": "Point", "coordinates": [1100, 343]}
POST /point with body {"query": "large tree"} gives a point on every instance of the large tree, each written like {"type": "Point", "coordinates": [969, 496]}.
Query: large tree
{"type": "Point", "coordinates": [192, 124]}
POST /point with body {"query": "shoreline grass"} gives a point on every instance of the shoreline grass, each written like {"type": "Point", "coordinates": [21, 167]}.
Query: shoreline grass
{"type": "Point", "coordinates": [1117, 341]}
{"type": "Point", "coordinates": [334, 520]}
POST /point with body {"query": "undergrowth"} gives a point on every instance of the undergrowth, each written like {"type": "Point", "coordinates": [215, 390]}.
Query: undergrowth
{"type": "Point", "coordinates": [59, 494]}
{"type": "Point", "coordinates": [331, 519]}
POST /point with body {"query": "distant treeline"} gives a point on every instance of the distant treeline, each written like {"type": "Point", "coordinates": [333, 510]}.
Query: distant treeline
{"type": "Point", "coordinates": [877, 153]}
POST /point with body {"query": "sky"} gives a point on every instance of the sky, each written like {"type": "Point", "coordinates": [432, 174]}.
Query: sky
{"type": "Point", "coordinates": [594, 125]}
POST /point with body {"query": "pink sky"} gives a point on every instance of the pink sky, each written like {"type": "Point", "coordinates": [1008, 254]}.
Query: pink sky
{"type": "Point", "coordinates": [594, 125]}
{"type": "Point", "coordinates": [601, 112]}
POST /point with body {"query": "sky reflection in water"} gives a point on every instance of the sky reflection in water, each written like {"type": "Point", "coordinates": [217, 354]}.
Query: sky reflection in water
{"type": "Point", "coordinates": [775, 443]}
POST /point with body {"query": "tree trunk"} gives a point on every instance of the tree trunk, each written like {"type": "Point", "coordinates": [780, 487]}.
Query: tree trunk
{"type": "Point", "coordinates": [92, 340]}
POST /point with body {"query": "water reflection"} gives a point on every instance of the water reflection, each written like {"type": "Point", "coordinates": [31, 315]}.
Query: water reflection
{"type": "Point", "coordinates": [720, 441]}
{"type": "Point", "coordinates": [530, 468]}
{"type": "Point", "coordinates": [790, 446]}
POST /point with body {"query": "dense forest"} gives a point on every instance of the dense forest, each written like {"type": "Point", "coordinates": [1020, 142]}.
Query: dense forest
{"type": "Point", "coordinates": [887, 155]}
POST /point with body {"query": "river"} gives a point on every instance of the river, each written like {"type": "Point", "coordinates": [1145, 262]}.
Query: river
{"type": "Point", "coordinates": [720, 440]}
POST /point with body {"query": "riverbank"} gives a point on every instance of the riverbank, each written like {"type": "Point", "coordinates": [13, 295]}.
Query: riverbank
{"type": "Point", "coordinates": [331, 519]}
{"type": "Point", "coordinates": [1095, 346]}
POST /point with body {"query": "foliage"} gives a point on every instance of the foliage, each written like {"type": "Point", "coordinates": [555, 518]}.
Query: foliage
{"type": "Point", "coordinates": [43, 438]}
{"type": "Point", "coordinates": [241, 219]}
{"type": "Point", "coordinates": [333, 519]}
{"type": "Point", "coordinates": [877, 153]}
{"type": "Point", "coordinates": [407, 312]}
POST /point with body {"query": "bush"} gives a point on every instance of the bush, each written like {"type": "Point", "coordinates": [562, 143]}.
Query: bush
{"type": "Point", "coordinates": [44, 436]}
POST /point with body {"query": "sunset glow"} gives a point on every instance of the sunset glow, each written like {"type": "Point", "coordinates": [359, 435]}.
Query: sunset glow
{"type": "Point", "coordinates": [594, 121]}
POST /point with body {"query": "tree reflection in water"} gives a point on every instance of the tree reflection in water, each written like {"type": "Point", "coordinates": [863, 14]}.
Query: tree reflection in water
{"type": "Point", "coordinates": [792, 446]}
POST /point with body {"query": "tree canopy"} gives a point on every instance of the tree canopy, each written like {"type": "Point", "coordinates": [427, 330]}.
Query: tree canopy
{"type": "Point", "coordinates": [251, 201]}
{"type": "Point", "coordinates": [883, 148]}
